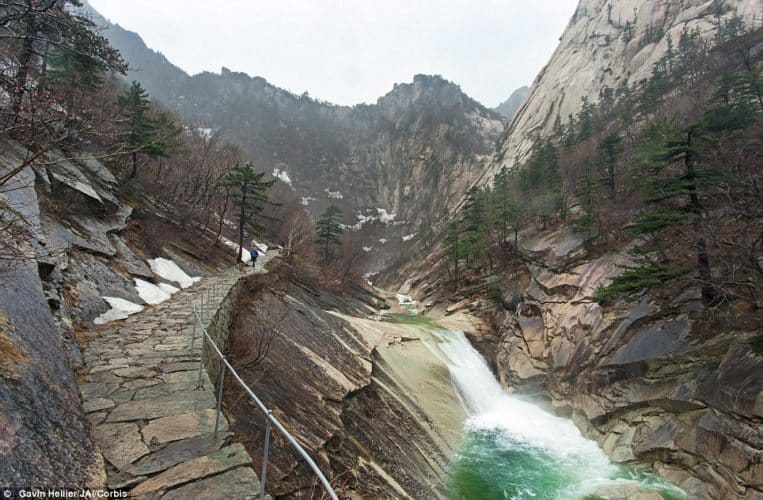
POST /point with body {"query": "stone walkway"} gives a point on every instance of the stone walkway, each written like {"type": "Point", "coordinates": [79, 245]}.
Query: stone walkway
{"type": "Point", "coordinates": [152, 424]}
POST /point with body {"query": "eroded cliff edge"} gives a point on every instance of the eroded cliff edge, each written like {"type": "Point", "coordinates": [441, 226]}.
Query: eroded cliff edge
{"type": "Point", "coordinates": [367, 398]}
{"type": "Point", "coordinates": [651, 381]}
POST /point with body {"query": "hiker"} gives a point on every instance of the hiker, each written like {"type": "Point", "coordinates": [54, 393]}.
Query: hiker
{"type": "Point", "coordinates": [253, 254]}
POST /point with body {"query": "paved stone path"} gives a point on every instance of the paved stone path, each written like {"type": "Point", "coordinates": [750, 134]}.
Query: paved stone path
{"type": "Point", "coordinates": [152, 424]}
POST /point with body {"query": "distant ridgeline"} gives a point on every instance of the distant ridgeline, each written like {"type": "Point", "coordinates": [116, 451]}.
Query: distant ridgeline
{"type": "Point", "coordinates": [411, 154]}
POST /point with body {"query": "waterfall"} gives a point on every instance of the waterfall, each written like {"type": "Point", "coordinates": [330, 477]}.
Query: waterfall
{"type": "Point", "coordinates": [517, 450]}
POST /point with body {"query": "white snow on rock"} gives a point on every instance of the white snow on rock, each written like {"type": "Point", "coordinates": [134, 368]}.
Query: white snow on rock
{"type": "Point", "coordinates": [206, 133]}
{"type": "Point", "coordinates": [168, 270]}
{"type": "Point", "coordinates": [337, 195]}
{"type": "Point", "coordinates": [409, 237]}
{"type": "Point", "coordinates": [120, 309]}
{"type": "Point", "coordinates": [366, 249]}
{"type": "Point", "coordinates": [169, 288]}
{"type": "Point", "coordinates": [382, 240]}
{"type": "Point", "coordinates": [282, 175]}
{"type": "Point", "coordinates": [405, 300]}
{"type": "Point", "coordinates": [150, 293]}
{"type": "Point", "coordinates": [245, 256]}
{"type": "Point", "coordinates": [384, 216]}
{"type": "Point", "coordinates": [306, 200]}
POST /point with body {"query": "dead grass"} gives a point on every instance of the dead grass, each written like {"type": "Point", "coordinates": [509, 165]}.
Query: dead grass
{"type": "Point", "coordinates": [148, 234]}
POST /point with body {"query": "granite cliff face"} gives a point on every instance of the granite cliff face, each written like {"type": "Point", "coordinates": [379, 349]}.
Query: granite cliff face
{"type": "Point", "coordinates": [607, 45]}
{"type": "Point", "coordinates": [366, 398]}
{"type": "Point", "coordinates": [68, 241]}
{"type": "Point", "coordinates": [651, 381]}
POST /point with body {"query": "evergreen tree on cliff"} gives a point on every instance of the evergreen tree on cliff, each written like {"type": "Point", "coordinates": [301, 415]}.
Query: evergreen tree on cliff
{"type": "Point", "coordinates": [143, 134]}
{"type": "Point", "coordinates": [328, 231]}
{"type": "Point", "coordinates": [249, 196]}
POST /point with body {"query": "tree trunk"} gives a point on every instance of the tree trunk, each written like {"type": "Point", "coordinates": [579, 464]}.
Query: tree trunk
{"type": "Point", "coordinates": [134, 171]}
{"type": "Point", "coordinates": [241, 219]}
{"type": "Point", "coordinates": [703, 259]}
{"type": "Point", "coordinates": [25, 63]}
{"type": "Point", "coordinates": [703, 268]}
{"type": "Point", "coordinates": [455, 274]}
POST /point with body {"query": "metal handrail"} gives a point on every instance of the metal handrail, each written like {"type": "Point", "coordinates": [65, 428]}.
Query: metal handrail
{"type": "Point", "coordinates": [270, 419]}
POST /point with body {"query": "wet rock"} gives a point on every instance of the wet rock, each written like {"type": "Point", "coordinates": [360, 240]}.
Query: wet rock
{"type": "Point", "coordinates": [555, 249]}
{"type": "Point", "coordinates": [131, 263]}
{"type": "Point", "coordinates": [639, 378]}
{"type": "Point", "coordinates": [662, 339]}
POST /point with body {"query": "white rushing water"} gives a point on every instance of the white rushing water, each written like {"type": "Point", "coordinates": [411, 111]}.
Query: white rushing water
{"type": "Point", "coordinates": [545, 456]}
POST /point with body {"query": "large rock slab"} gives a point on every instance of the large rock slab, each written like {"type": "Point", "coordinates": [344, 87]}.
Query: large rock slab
{"type": "Point", "coordinates": [241, 483]}
{"type": "Point", "coordinates": [124, 443]}
{"type": "Point", "coordinates": [175, 453]}
{"type": "Point", "coordinates": [162, 406]}
{"type": "Point", "coordinates": [177, 427]}
{"type": "Point", "coordinates": [222, 460]}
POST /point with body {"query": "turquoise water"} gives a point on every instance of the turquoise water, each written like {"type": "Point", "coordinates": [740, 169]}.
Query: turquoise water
{"type": "Point", "coordinates": [512, 449]}
{"type": "Point", "coordinates": [490, 465]}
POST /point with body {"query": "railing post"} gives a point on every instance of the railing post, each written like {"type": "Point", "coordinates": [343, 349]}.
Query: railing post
{"type": "Point", "coordinates": [193, 330]}
{"type": "Point", "coordinates": [220, 396]}
{"type": "Point", "coordinates": [266, 455]}
{"type": "Point", "coordinates": [200, 383]}
{"type": "Point", "coordinates": [202, 309]}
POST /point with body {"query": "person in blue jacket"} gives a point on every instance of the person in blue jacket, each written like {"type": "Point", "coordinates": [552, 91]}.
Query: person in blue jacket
{"type": "Point", "coordinates": [253, 253]}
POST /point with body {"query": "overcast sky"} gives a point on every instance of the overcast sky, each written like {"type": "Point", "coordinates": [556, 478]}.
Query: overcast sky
{"type": "Point", "coordinates": [353, 51]}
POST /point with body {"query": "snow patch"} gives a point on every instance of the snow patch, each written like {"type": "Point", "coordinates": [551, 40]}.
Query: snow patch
{"type": "Point", "coordinates": [384, 216]}
{"type": "Point", "coordinates": [383, 240]}
{"type": "Point", "coordinates": [405, 300]}
{"type": "Point", "coordinates": [169, 288]}
{"type": "Point", "coordinates": [205, 132]}
{"type": "Point", "coordinates": [150, 293]}
{"type": "Point", "coordinates": [337, 195]}
{"type": "Point", "coordinates": [168, 270]}
{"type": "Point", "coordinates": [120, 309]}
{"type": "Point", "coordinates": [367, 249]}
{"type": "Point", "coordinates": [245, 255]}
{"type": "Point", "coordinates": [409, 237]}
{"type": "Point", "coordinates": [306, 200]}
{"type": "Point", "coordinates": [283, 176]}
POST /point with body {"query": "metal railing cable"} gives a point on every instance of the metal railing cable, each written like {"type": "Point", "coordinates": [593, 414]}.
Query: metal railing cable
{"type": "Point", "coordinates": [199, 315]}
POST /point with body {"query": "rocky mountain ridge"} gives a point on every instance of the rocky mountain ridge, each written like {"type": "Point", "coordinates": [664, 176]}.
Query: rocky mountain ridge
{"type": "Point", "coordinates": [510, 106]}
{"type": "Point", "coordinates": [394, 166]}
{"type": "Point", "coordinates": [605, 46]}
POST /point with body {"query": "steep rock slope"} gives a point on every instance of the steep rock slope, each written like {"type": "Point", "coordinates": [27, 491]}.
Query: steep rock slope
{"type": "Point", "coordinates": [413, 153]}
{"type": "Point", "coordinates": [653, 381]}
{"type": "Point", "coordinates": [607, 45]}
{"type": "Point", "coordinates": [367, 398]}
{"type": "Point", "coordinates": [67, 242]}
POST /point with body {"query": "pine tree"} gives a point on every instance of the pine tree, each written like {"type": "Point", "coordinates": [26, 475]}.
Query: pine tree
{"type": "Point", "coordinates": [588, 221]}
{"type": "Point", "coordinates": [328, 231]}
{"type": "Point", "coordinates": [143, 134]}
{"type": "Point", "coordinates": [507, 212]}
{"type": "Point", "coordinates": [475, 222]}
{"type": "Point", "coordinates": [676, 182]}
{"type": "Point", "coordinates": [454, 248]}
{"type": "Point", "coordinates": [609, 149]}
{"type": "Point", "coordinates": [52, 29]}
{"type": "Point", "coordinates": [249, 193]}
